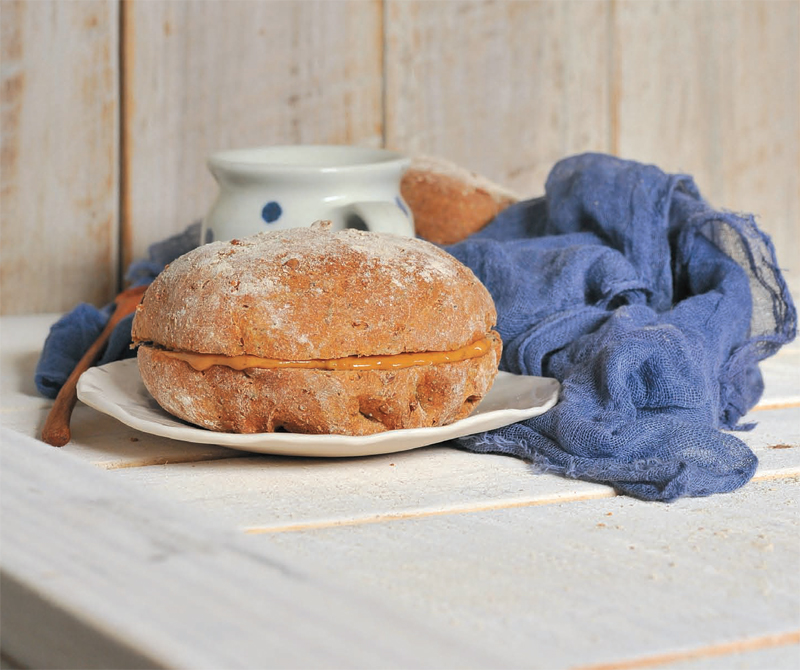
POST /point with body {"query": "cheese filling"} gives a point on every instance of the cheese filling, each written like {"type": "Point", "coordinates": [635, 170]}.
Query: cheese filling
{"type": "Point", "coordinates": [202, 362]}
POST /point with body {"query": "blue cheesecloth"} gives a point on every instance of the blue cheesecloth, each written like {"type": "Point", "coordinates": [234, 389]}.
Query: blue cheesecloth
{"type": "Point", "coordinates": [650, 307]}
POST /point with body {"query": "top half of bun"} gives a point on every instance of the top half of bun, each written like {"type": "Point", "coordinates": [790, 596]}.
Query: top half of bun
{"type": "Point", "coordinates": [312, 293]}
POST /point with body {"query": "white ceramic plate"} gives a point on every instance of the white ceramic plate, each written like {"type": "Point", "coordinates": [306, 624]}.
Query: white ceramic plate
{"type": "Point", "coordinates": [117, 389]}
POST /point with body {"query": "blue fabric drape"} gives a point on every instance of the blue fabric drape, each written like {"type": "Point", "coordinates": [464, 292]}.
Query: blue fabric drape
{"type": "Point", "coordinates": [652, 309]}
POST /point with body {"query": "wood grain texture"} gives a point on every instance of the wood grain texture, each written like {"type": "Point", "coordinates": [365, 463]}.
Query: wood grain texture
{"type": "Point", "coordinates": [711, 89]}
{"type": "Point", "coordinates": [95, 576]}
{"type": "Point", "coordinates": [586, 582]}
{"type": "Point", "coordinates": [205, 76]}
{"type": "Point", "coordinates": [58, 171]}
{"type": "Point", "coordinates": [760, 118]}
{"type": "Point", "coordinates": [264, 494]}
{"type": "Point", "coordinates": [666, 67]}
{"type": "Point", "coordinates": [503, 88]}
{"type": "Point", "coordinates": [305, 494]}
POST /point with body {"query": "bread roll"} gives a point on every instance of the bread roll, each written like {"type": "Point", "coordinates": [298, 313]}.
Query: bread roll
{"type": "Point", "coordinates": [345, 332]}
{"type": "Point", "coordinates": [450, 203]}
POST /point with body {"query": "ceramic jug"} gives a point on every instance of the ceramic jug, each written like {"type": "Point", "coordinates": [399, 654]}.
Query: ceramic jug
{"type": "Point", "coordinates": [278, 187]}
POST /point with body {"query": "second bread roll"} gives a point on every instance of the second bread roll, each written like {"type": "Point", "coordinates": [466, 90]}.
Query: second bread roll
{"type": "Point", "coordinates": [449, 202]}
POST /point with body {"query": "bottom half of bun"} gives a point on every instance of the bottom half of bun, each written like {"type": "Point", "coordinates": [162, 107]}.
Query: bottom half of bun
{"type": "Point", "coordinates": [346, 402]}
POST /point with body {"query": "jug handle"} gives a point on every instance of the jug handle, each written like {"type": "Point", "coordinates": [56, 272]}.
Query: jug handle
{"type": "Point", "coordinates": [384, 217]}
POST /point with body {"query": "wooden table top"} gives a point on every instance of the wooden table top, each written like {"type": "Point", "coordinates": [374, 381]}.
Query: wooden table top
{"type": "Point", "coordinates": [127, 550]}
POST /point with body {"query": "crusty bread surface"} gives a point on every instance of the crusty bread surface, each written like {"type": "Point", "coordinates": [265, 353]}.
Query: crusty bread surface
{"type": "Point", "coordinates": [318, 401]}
{"type": "Point", "coordinates": [449, 202]}
{"type": "Point", "coordinates": [311, 293]}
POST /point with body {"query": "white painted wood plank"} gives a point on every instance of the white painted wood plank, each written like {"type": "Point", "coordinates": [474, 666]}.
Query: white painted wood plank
{"type": "Point", "coordinates": [275, 493]}
{"type": "Point", "coordinates": [585, 583]}
{"type": "Point", "coordinates": [269, 494]}
{"type": "Point", "coordinates": [200, 77]}
{"type": "Point", "coordinates": [758, 120]}
{"type": "Point", "coordinates": [711, 89]}
{"type": "Point", "coordinates": [503, 88]}
{"type": "Point", "coordinates": [666, 65]}
{"type": "Point", "coordinates": [59, 177]}
{"type": "Point", "coordinates": [96, 574]}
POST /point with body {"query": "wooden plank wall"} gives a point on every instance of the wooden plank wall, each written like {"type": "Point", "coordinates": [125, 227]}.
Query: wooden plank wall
{"type": "Point", "coordinates": [59, 159]}
{"type": "Point", "coordinates": [109, 107]}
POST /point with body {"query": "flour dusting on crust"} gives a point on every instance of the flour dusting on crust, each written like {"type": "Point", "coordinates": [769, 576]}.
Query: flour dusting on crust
{"type": "Point", "coordinates": [310, 293]}
{"type": "Point", "coordinates": [432, 167]}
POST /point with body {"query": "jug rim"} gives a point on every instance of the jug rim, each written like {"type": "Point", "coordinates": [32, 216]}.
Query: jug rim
{"type": "Point", "coordinates": [316, 158]}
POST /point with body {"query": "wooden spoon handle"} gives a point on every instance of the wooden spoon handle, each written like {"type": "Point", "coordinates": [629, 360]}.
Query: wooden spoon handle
{"type": "Point", "coordinates": [56, 427]}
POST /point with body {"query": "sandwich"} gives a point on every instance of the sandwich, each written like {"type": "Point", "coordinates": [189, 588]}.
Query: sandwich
{"type": "Point", "coordinates": [311, 330]}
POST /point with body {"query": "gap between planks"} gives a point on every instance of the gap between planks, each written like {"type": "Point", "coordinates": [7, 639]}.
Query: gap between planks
{"type": "Point", "coordinates": [424, 513]}
{"type": "Point", "coordinates": [787, 404]}
{"type": "Point", "coordinates": [598, 494]}
{"type": "Point", "coordinates": [722, 649]}
{"type": "Point", "coordinates": [164, 460]}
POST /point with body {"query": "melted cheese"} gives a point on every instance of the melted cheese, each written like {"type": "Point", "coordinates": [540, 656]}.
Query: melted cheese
{"type": "Point", "coordinates": [202, 362]}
